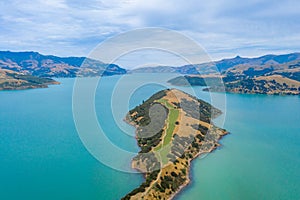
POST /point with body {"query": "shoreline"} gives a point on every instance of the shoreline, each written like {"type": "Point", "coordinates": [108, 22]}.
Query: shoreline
{"type": "Point", "coordinates": [189, 183]}
{"type": "Point", "coordinates": [189, 180]}
{"type": "Point", "coordinates": [31, 87]}
{"type": "Point", "coordinates": [160, 184]}
{"type": "Point", "coordinates": [189, 169]}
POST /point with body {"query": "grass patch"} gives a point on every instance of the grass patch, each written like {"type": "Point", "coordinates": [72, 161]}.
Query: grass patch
{"type": "Point", "coordinates": [173, 116]}
{"type": "Point", "coordinates": [171, 120]}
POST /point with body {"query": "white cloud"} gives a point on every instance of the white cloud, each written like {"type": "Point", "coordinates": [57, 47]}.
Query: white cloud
{"type": "Point", "coordinates": [223, 27]}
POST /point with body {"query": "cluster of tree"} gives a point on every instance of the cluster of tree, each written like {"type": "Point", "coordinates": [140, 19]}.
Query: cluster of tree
{"type": "Point", "coordinates": [172, 182]}
{"type": "Point", "coordinates": [179, 146]}
{"type": "Point", "coordinates": [158, 114]}
{"type": "Point", "coordinates": [198, 110]}
{"type": "Point", "coordinates": [291, 75]}
{"type": "Point", "coordinates": [143, 109]}
{"type": "Point", "coordinates": [147, 134]}
{"type": "Point", "coordinates": [149, 160]}
{"type": "Point", "coordinates": [251, 72]}
{"type": "Point", "coordinates": [201, 128]}
{"type": "Point", "coordinates": [149, 178]}
{"type": "Point", "coordinates": [250, 85]}
{"type": "Point", "coordinates": [146, 143]}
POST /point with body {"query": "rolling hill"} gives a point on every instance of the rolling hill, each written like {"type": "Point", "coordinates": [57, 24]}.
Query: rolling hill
{"type": "Point", "coordinates": [269, 74]}
{"type": "Point", "coordinates": [36, 64]}
{"type": "Point", "coordinates": [11, 80]}
{"type": "Point", "coordinates": [287, 65]}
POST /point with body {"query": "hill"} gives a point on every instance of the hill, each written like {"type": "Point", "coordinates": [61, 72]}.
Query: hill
{"type": "Point", "coordinates": [172, 128]}
{"type": "Point", "coordinates": [11, 80]}
{"type": "Point", "coordinates": [269, 84]}
{"type": "Point", "coordinates": [269, 74]}
{"type": "Point", "coordinates": [35, 64]}
{"type": "Point", "coordinates": [287, 65]}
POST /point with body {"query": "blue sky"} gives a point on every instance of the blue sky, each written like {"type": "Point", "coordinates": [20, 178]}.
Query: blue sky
{"type": "Point", "coordinates": [224, 28]}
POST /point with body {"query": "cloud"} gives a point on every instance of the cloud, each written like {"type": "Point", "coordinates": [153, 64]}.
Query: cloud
{"type": "Point", "coordinates": [222, 27]}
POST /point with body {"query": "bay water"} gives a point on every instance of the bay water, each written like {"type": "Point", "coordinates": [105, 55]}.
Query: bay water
{"type": "Point", "coordinates": [42, 156]}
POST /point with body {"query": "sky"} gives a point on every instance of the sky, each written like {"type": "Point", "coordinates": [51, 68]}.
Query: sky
{"type": "Point", "coordinates": [224, 28]}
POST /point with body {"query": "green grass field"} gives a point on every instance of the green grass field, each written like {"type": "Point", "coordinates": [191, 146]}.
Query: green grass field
{"type": "Point", "coordinates": [172, 118]}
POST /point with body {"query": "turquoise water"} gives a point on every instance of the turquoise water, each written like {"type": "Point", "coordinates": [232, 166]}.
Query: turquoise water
{"type": "Point", "coordinates": [260, 159]}
{"type": "Point", "coordinates": [42, 156]}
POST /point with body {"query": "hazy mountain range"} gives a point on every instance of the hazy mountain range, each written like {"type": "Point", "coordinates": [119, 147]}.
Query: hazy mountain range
{"type": "Point", "coordinates": [40, 65]}
{"type": "Point", "coordinates": [288, 65]}
{"type": "Point", "coordinates": [22, 70]}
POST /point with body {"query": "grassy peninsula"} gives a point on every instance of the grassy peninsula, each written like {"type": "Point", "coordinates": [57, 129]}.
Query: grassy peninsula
{"type": "Point", "coordinates": [172, 128]}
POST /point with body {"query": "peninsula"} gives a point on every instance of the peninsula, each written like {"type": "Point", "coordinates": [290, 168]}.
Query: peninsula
{"type": "Point", "coordinates": [267, 84]}
{"type": "Point", "coordinates": [11, 80]}
{"type": "Point", "coordinates": [268, 74]}
{"type": "Point", "coordinates": [172, 128]}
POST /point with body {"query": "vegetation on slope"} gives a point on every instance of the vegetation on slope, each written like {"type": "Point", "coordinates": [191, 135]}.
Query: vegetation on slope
{"type": "Point", "coordinates": [33, 63]}
{"type": "Point", "coordinates": [165, 156]}
{"type": "Point", "coordinates": [10, 80]}
{"type": "Point", "coordinates": [267, 84]}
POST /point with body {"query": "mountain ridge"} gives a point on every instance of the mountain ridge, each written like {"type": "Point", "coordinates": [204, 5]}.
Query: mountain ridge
{"type": "Point", "coordinates": [224, 64]}
{"type": "Point", "coordinates": [36, 64]}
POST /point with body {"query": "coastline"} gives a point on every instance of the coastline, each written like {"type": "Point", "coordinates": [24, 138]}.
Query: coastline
{"type": "Point", "coordinates": [189, 180]}
{"type": "Point", "coordinates": [42, 86]}
{"type": "Point", "coordinates": [177, 194]}
{"type": "Point", "coordinates": [189, 142]}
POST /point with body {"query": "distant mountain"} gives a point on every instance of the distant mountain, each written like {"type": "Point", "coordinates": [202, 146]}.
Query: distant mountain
{"type": "Point", "coordinates": [11, 80]}
{"type": "Point", "coordinates": [33, 63]}
{"type": "Point", "coordinates": [155, 69]}
{"type": "Point", "coordinates": [186, 69]}
{"type": "Point", "coordinates": [271, 84]}
{"type": "Point", "coordinates": [281, 63]}
{"type": "Point", "coordinates": [225, 64]}
{"type": "Point", "coordinates": [269, 74]}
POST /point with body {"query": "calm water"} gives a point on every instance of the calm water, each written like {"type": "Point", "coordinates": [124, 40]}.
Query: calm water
{"type": "Point", "coordinates": [42, 157]}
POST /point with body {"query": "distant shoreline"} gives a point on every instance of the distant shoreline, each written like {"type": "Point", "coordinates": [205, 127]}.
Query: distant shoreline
{"type": "Point", "coordinates": [270, 85]}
